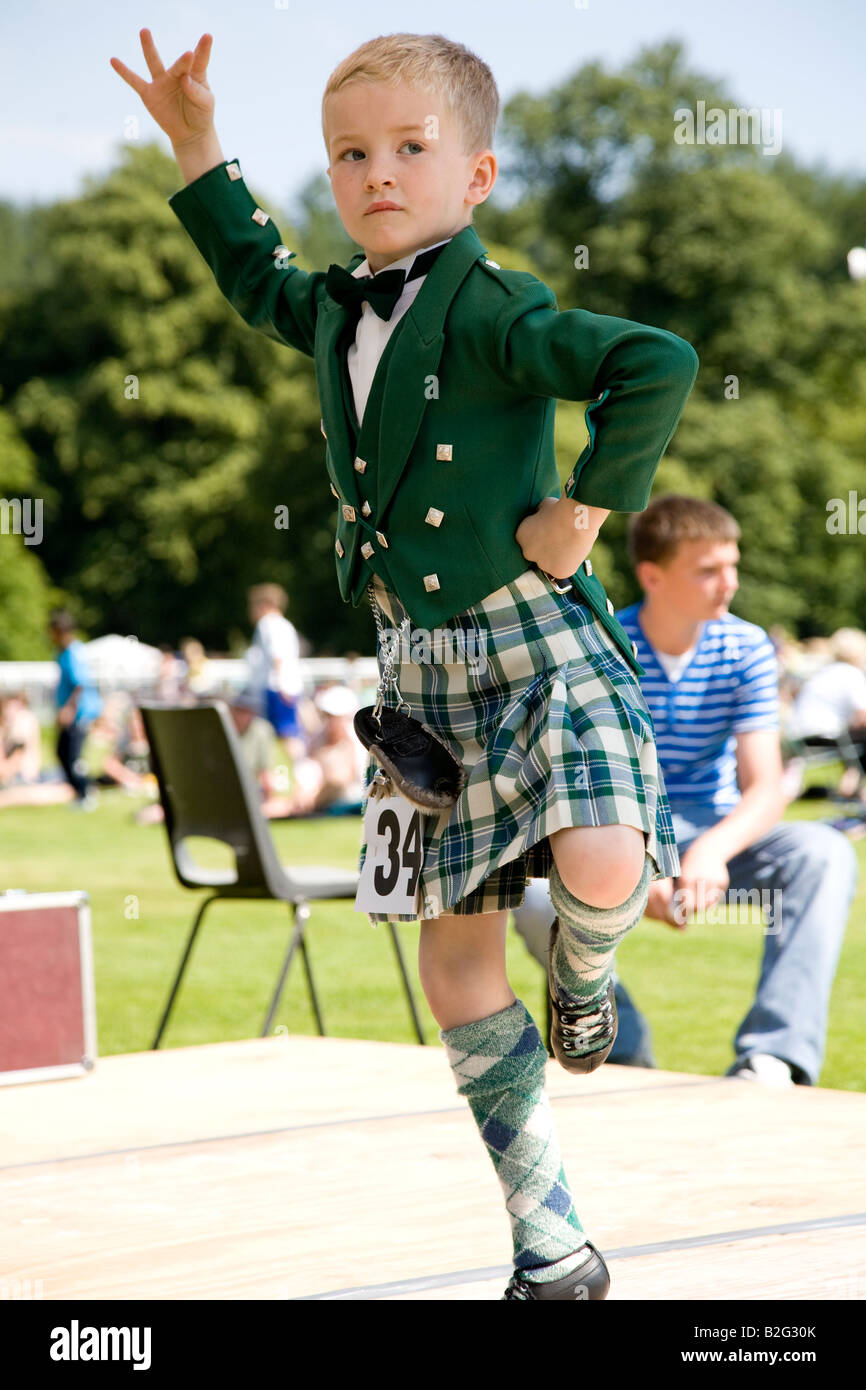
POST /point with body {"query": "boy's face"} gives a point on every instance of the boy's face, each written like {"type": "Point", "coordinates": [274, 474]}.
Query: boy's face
{"type": "Point", "coordinates": [419, 168]}
{"type": "Point", "coordinates": [698, 582]}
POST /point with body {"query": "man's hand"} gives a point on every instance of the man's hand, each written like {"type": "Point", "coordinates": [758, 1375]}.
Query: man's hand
{"type": "Point", "coordinates": [660, 902]}
{"type": "Point", "coordinates": [179, 100]}
{"type": "Point", "coordinates": [559, 535]}
{"type": "Point", "coordinates": [702, 882]}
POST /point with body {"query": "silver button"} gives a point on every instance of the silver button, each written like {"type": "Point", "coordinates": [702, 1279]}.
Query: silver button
{"type": "Point", "coordinates": [260, 216]}
{"type": "Point", "coordinates": [587, 565]}
{"type": "Point", "coordinates": [634, 650]}
{"type": "Point", "coordinates": [360, 465]}
{"type": "Point", "coordinates": [443, 453]}
{"type": "Point", "coordinates": [366, 550]}
{"type": "Point", "coordinates": [431, 582]}
{"type": "Point", "coordinates": [434, 516]}
{"type": "Point", "coordinates": [233, 170]}
{"type": "Point", "coordinates": [382, 541]}
{"type": "Point", "coordinates": [494, 264]}
{"type": "Point", "coordinates": [339, 549]}
{"type": "Point", "coordinates": [348, 512]}
{"type": "Point", "coordinates": [334, 491]}
{"type": "Point", "coordinates": [322, 428]}
{"type": "Point", "coordinates": [281, 253]}
{"type": "Point", "coordinates": [609, 606]}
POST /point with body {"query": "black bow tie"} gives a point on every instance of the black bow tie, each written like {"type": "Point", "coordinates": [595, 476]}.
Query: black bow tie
{"type": "Point", "coordinates": [381, 291]}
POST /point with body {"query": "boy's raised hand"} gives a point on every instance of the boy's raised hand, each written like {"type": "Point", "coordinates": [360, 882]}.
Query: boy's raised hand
{"type": "Point", "coordinates": [179, 99]}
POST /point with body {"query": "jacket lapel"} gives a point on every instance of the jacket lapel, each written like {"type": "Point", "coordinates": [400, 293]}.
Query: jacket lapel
{"type": "Point", "coordinates": [415, 359]}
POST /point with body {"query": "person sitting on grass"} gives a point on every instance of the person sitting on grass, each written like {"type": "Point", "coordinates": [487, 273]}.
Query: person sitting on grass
{"type": "Point", "coordinates": [20, 741]}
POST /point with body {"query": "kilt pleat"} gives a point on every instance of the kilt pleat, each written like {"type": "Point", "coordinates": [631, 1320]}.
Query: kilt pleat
{"type": "Point", "coordinates": [538, 703]}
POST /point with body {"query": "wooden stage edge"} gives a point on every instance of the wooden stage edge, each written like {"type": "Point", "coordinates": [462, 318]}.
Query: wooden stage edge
{"type": "Point", "coordinates": [296, 1167]}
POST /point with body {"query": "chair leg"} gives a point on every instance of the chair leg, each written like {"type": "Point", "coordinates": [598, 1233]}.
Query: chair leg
{"type": "Point", "coordinates": [301, 913]}
{"type": "Point", "coordinates": [406, 985]}
{"type": "Point", "coordinates": [176, 986]}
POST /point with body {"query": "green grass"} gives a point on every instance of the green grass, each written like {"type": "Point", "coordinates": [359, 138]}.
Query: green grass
{"type": "Point", "coordinates": [694, 986]}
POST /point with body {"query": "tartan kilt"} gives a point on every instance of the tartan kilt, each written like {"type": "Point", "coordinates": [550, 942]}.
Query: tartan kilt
{"type": "Point", "coordinates": [538, 703]}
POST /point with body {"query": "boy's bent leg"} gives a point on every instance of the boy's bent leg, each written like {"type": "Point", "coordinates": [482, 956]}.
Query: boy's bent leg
{"type": "Point", "coordinates": [587, 937]}
{"type": "Point", "coordinates": [498, 1059]}
{"type": "Point", "coordinates": [582, 951]}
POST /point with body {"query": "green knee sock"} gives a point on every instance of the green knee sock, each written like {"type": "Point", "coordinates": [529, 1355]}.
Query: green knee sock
{"type": "Point", "coordinates": [498, 1064]}
{"type": "Point", "coordinates": [588, 936]}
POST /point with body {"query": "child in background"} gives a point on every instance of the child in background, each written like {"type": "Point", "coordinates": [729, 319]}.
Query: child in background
{"type": "Point", "coordinates": [274, 664]}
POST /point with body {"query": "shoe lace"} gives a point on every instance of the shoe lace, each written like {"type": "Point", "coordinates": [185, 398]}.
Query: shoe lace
{"type": "Point", "coordinates": [584, 1023]}
{"type": "Point", "coordinates": [518, 1289]}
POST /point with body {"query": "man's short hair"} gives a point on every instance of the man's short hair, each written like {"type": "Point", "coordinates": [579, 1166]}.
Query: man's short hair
{"type": "Point", "coordinates": [62, 620]}
{"type": "Point", "coordinates": [655, 533]}
{"type": "Point", "coordinates": [269, 593]}
{"type": "Point", "coordinates": [429, 62]}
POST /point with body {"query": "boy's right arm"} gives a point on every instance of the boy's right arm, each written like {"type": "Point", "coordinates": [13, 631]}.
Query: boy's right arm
{"type": "Point", "coordinates": [217, 208]}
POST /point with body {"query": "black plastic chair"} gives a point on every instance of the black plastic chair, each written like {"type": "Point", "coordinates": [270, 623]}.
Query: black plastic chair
{"type": "Point", "coordinates": [207, 790]}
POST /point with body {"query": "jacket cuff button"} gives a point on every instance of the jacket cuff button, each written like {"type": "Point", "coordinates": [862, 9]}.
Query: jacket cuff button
{"type": "Point", "coordinates": [233, 170]}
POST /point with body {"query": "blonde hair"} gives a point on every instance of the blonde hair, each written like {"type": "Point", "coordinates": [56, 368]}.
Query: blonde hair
{"type": "Point", "coordinates": [655, 533]}
{"type": "Point", "coordinates": [848, 644]}
{"type": "Point", "coordinates": [269, 593]}
{"type": "Point", "coordinates": [431, 63]}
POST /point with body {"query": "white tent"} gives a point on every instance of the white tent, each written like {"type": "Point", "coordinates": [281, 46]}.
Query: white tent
{"type": "Point", "coordinates": [113, 657]}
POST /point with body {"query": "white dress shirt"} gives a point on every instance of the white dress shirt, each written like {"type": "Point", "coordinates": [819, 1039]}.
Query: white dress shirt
{"type": "Point", "coordinates": [372, 333]}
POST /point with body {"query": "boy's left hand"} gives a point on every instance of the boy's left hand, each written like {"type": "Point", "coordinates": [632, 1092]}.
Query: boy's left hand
{"type": "Point", "coordinates": [557, 537]}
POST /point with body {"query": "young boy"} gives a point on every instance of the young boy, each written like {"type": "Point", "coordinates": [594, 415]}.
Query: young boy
{"type": "Point", "coordinates": [438, 374]}
{"type": "Point", "coordinates": [274, 663]}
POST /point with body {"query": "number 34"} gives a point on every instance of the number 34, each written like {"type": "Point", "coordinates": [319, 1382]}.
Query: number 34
{"type": "Point", "coordinates": [408, 855]}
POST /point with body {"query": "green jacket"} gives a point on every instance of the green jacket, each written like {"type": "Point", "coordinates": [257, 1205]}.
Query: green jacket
{"type": "Point", "coordinates": [457, 442]}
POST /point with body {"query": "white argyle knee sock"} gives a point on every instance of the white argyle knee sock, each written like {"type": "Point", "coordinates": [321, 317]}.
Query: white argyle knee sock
{"type": "Point", "coordinates": [588, 936]}
{"type": "Point", "coordinates": [498, 1064]}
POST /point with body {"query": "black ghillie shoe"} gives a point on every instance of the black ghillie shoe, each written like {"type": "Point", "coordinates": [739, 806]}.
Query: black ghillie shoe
{"type": "Point", "coordinates": [589, 1283]}
{"type": "Point", "coordinates": [581, 1034]}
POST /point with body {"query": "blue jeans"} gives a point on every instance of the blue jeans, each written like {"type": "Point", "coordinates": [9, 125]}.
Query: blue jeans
{"type": "Point", "coordinates": [807, 875]}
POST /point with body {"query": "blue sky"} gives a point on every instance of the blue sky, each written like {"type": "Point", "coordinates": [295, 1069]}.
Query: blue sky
{"type": "Point", "coordinates": [63, 108]}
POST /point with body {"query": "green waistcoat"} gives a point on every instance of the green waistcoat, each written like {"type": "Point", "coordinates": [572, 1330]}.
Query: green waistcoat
{"type": "Point", "coordinates": [457, 444]}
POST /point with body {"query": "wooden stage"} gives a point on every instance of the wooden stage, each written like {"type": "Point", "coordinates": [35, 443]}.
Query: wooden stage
{"type": "Point", "coordinates": [301, 1167]}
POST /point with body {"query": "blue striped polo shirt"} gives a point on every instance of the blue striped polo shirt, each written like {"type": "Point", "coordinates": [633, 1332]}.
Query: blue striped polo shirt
{"type": "Point", "coordinates": [730, 686]}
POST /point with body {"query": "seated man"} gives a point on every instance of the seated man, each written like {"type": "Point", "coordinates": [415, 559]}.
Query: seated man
{"type": "Point", "coordinates": [710, 684]}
